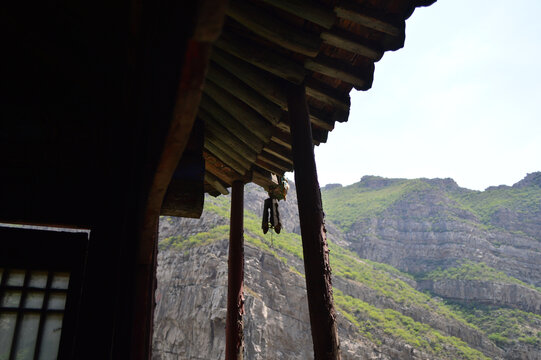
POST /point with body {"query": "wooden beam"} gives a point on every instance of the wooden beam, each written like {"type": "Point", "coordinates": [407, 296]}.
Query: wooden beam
{"type": "Point", "coordinates": [219, 141]}
{"type": "Point", "coordinates": [185, 193]}
{"type": "Point", "coordinates": [342, 71]}
{"type": "Point", "coordinates": [247, 116]}
{"type": "Point", "coordinates": [183, 117]}
{"type": "Point", "coordinates": [184, 198]}
{"type": "Point", "coordinates": [214, 144]}
{"type": "Point", "coordinates": [265, 107]}
{"type": "Point", "coordinates": [315, 249]}
{"type": "Point", "coordinates": [271, 28]}
{"type": "Point", "coordinates": [307, 10]}
{"type": "Point", "coordinates": [190, 68]}
{"type": "Point", "coordinates": [328, 95]}
{"type": "Point", "coordinates": [279, 151]}
{"type": "Point", "coordinates": [284, 126]}
{"type": "Point", "coordinates": [282, 137]}
{"type": "Point", "coordinates": [420, 3]}
{"type": "Point", "coordinates": [217, 168]}
{"type": "Point", "coordinates": [326, 121]}
{"type": "Point", "coordinates": [351, 11]}
{"type": "Point", "coordinates": [229, 139]}
{"type": "Point", "coordinates": [210, 109]}
{"type": "Point", "coordinates": [216, 183]}
{"type": "Point", "coordinates": [263, 178]}
{"type": "Point", "coordinates": [266, 84]}
{"type": "Point", "coordinates": [211, 191]}
{"type": "Point", "coordinates": [275, 161]}
{"type": "Point", "coordinates": [345, 42]}
{"type": "Point", "coordinates": [262, 56]}
{"type": "Point", "coordinates": [340, 115]}
{"type": "Point", "coordinates": [234, 325]}
{"type": "Point", "coordinates": [319, 118]}
{"type": "Point", "coordinates": [224, 157]}
{"type": "Point", "coordinates": [210, 20]}
{"type": "Point", "coordinates": [269, 167]}
{"type": "Point", "coordinates": [319, 135]}
{"type": "Point", "coordinates": [245, 93]}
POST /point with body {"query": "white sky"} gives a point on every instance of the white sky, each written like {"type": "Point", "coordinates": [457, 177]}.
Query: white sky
{"type": "Point", "coordinates": [462, 99]}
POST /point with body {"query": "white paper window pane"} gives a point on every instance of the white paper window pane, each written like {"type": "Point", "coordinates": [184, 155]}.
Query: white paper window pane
{"type": "Point", "coordinates": [7, 328]}
{"type": "Point", "coordinates": [16, 278]}
{"type": "Point", "coordinates": [11, 299]}
{"type": "Point", "coordinates": [50, 341]}
{"type": "Point", "coordinates": [27, 337]}
{"type": "Point", "coordinates": [60, 281]}
{"type": "Point", "coordinates": [57, 301]}
{"type": "Point", "coordinates": [38, 279]}
{"type": "Point", "coordinates": [34, 300]}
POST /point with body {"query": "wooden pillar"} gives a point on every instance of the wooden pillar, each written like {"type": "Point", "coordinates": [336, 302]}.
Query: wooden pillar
{"type": "Point", "coordinates": [234, 326]}
{"type": "Point", "coordinates": [314, 240]}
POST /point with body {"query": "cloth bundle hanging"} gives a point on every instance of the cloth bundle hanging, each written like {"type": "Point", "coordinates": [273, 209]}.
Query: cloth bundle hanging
{"type": "Point", "coordinates": [271, 216]}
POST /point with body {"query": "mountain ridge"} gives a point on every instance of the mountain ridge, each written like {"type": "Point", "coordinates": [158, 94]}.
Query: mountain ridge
{"type": "Point", "coordinates": [533, 178]}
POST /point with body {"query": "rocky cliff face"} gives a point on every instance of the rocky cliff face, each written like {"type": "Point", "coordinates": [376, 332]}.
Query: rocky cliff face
{"type": "Point", "coordinates": [190, 306]}
{"type": "Point", "coordinates": [191, 309]}
{"type": "Point", "coordinates": [404, 240]}
{"type": "Point", "coordinates": [486, 292]}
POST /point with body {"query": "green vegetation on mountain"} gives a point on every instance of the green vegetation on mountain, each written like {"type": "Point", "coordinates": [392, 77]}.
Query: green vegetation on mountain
{"type": "Point", "coordinates": [506, 327]}
{"type": "Point", "coordinates": [373, 195]}
{"type": "Point", "coordinates": [347, 205]}
{"type": "Point", "coordinates": [287, 242]}
{"type": "Point", "coordinates": [379, 277]}
{"type": "Point", "coordinates": [177, 242]}
{"type": "Point", "coordinates": [522, 200]}
{"type": "Point", "coordinates": [370, 320]}
{"type": "Point", "coordinates": [470, 270]}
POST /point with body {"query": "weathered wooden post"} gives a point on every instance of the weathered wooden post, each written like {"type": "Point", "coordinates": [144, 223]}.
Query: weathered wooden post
{"type": "Point", "coordinates": [314, 240]}
{"type": "Point", "coordinates": [234, 326]}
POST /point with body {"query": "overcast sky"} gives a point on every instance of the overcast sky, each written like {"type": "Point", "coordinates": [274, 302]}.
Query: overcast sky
{"type": "Point", "coordinates": [462, 99]}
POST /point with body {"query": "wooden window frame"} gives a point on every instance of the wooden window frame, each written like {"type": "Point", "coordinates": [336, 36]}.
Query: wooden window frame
{"type": "Point", "coordinates": [51, 251]}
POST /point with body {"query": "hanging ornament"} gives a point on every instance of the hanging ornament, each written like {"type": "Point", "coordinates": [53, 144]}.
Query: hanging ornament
{"type": "Point", "coordinates": [279, 191]}
{"type": "Point", "coordinates": [271, 215]}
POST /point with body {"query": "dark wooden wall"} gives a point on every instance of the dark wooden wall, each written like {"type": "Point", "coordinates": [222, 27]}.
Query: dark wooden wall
{"type": "Point", "coordinates": [88, 92]}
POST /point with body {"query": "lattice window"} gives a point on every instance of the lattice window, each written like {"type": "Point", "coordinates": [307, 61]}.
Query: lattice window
{"type": "Point", "coordinates": [32, 304]}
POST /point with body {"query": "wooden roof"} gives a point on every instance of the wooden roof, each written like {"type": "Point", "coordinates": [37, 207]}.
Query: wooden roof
{"type": "Point", "coordinates": [329, 45]}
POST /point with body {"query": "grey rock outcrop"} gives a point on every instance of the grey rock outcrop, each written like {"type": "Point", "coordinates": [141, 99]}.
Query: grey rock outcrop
{"type": "Point", "coordinates": [190, 304]}
{"type": "Point", "coordinates": [486, 292]}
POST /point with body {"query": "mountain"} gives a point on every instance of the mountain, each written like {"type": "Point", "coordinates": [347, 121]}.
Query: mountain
{"type": "Point", "coordinates": [420, 225]}
{"type": "Point", "coordinates": [422, 269]}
